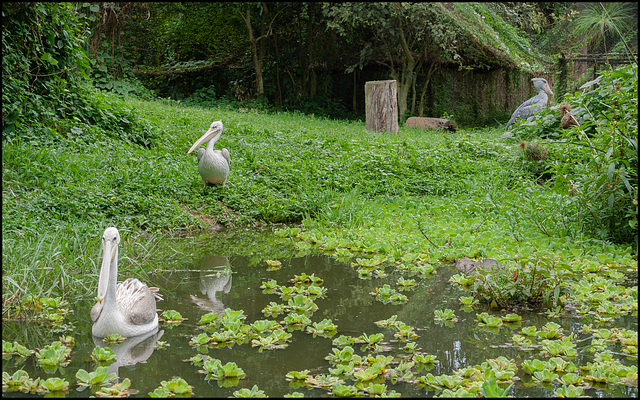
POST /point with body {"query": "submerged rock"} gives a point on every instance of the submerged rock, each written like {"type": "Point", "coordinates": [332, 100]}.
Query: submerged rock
{"type": "Point", "coordinates": [468, 265]}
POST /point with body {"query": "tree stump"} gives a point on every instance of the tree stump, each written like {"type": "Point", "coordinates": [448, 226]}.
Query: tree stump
{"type": "Point", "coordinates": [381, 101]}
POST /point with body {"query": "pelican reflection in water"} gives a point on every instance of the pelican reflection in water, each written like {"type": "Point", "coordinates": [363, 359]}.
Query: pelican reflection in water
{"type": "Point", "coordinates": [133, 350]}
{"type": "Point", "coordinates": [213, 165]}
{"type": "Point", "coordinates": [215, 276]}
{"type": "Point", "coordinates": [127, 308]}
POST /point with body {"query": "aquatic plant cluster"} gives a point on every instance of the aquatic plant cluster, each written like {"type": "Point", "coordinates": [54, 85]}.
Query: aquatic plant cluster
{"type": "Point", "coordinates": [353, 374]}
{"type": "Point", "coordinates": [363, 365]}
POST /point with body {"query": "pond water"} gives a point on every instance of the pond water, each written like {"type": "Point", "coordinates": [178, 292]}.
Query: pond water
{"type": "Point", "coordinates": [219, 281]}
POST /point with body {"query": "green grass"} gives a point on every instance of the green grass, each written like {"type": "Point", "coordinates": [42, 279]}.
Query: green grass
{"type": "Point", "coordinates": [438, 194]}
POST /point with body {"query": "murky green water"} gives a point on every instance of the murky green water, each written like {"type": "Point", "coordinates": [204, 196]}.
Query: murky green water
{"type": "Point", "coordinates": [223, 280]}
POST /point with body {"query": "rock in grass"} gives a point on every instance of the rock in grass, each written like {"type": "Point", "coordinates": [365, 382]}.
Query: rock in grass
{"type": "Point", "coordinates": [467, 265]}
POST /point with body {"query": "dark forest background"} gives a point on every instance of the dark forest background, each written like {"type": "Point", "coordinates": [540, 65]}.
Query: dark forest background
{"type": "Point", "coordinates": [468, 61]}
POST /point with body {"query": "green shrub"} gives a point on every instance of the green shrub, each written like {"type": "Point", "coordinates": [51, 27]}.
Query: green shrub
{"type": "Point", "coordinates": [595, 164]}
{"type": "Point", "coordinates": [47, 96]}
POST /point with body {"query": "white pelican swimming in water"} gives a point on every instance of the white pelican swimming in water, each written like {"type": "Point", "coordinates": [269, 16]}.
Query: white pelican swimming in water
{"type": "Point", "coordinates": [213, 165]}
{"type": "Point", "coordinates": [127, 308]}
{"type": "Point", "coordinates": [534, 104]}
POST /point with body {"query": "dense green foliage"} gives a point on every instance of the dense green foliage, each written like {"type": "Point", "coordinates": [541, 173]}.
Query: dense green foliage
{"type": "Point", "coordinates": [46, 95]}
{"type": "Point", "coordinates": [290, 56]}
{"type": "Point", "coordinates": [421, 192]}
{"type": "Point", "coordinates": [596, 162]}
{"type": "Point", "coordinates": [602, 25]}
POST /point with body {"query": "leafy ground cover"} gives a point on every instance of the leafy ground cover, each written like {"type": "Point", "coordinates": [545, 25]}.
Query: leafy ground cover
{"type": "Point", "coordinates": [429, 196]}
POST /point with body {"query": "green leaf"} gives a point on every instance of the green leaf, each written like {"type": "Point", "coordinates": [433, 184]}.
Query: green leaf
{"type": "Point", "coordinates": [83, 375]}
{"type": "Point", "coordinates": [611, 170]}
{"type": "Point", "coordinates": [49, 58]}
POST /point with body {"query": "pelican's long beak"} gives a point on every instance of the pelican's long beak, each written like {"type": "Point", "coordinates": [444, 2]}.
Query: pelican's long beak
{"type": "Point", "coordinates": [214, 130]}
{"type": "Point", "coordinates": [108, 256]}
{"type": "Point", "coordinates": [548, 89]}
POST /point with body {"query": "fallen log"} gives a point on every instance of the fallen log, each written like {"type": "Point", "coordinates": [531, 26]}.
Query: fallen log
{"type": "Point", "coordinates": [431, 123]}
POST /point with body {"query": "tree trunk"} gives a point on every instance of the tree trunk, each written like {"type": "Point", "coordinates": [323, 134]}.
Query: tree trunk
{"type": "Point", "coordinates": [414, 92]}
{"type": "Point", "coordinates": [276, 42]}
{"type": "Point", "coordinates": [263, 34]}
{"type": "Point", "coordinates": [381, 106]}
{"type": "Point", "coordinates": [355, 91]}
{"type": "Point", "coordinates": [313, 81]}
{"type": "Point", "coordinates": [406, 75]}
{"type": "Point", "coordinates": [432, 68]}
{"type": "Point", "coordinates": [257, 52]}
{"type": "Point", "coordinates": [257, 63]}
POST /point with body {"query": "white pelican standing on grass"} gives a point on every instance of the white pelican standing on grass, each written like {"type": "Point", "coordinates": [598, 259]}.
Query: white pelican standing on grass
{"type": "Point", "coordinates": [534, 104]}
{"type": "Point", "coordinates": [127, 308]}
{"type": "Point", "coordinates": [213, 165]}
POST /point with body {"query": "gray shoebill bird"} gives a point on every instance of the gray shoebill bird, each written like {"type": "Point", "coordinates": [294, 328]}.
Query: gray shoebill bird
{"type": "Point", "coordinates": [127, 308]}
{"type": "Point", "coordinates": [213, 165]}
{"type": "Point", "coordinates": [534, 104]}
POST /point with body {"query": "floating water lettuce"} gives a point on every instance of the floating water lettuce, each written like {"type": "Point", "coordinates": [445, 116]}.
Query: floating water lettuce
{"type": "Point", "coordinates": [200, 340]}
{"type": "Point", "coordinates": [296, 320]}
{"type": "Point", "coordinates": [273, 265]}
{"type": "Point", "coordinates": [343, 340]}
{"type": "Point", "coordinates": [343, 356]}
{"type": "Point", "coordinates": [264, 325]}
{"type": "Point", "coordinates": [172, 317]}
{"type": "Point", "coordinates": [302, 305]}
{"type": "Point", "coordinates": [404, 331]}
{"type": "Point", "coordinates": [445, 315]}
{"type": "Point", "coordinates": [117, 390]}
{"type": "Point", "coordinates": [209, 319]}
{"type": "Point", "coordinates": [406, 284]}
{"type": "Point", "coordinates": [390, 322]}
{"type": "Point", "coordinates": [424, 358]}
{"type": "Point", "coordinates": [16, 349]}
{"type": "Point", "coordinates": [103, 354]}
{"type": "Point", "coordinates": [253, 392]}
{"type": "Point", "coordinates": [53, 355]}
{"type": "Point", "coordinates": [410, 347]}
{"type": "Point", "coordinates": [322, 381]}
{"type": "Point", "coordinates": [274, 309]}
{"type": "Point", "coordinates": [340, 390]}
{"type": "Point", "coordinates": [529, 331]}
{"type": "Point", "coordinates": [324, 327]}
{"type": "Point", "coordinates": [297, 375]}
{"type": "Point", "coordinates": [490, 388]}
{"type": "Point", "coordinates": [570, 379]}
{"type": "Point", "coordinates": [177, 386]}
{"type": "Point", "coordinates": [276, 340]}
{"type": "Point", "coordinates": [568, 391]}
{"type": "Point", "coordinates": [216, 370]}
{"type": "Point", "coordinates": [55, 384]}
{"type": "Point", "coordinates": [99, 377]}
{"type": "Point", "coordinates": [550, 330]}
{"type": "Point", "coordinates": [544, 376]}
{"type": "Point", "coordinates": [531, 366]}
{"type": "Point", "coordinates": [563, 347]}
{"type": "Point", "coordinates": [113, 338]}
{"type": "Point", "coordinates": [511, 318]}
{"type": "Point", "coordinates": [17, 379]}
{"type": "Point", "coordinates": [468, 301]}
{"type": "Point", "coordinates": [489, 320]}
